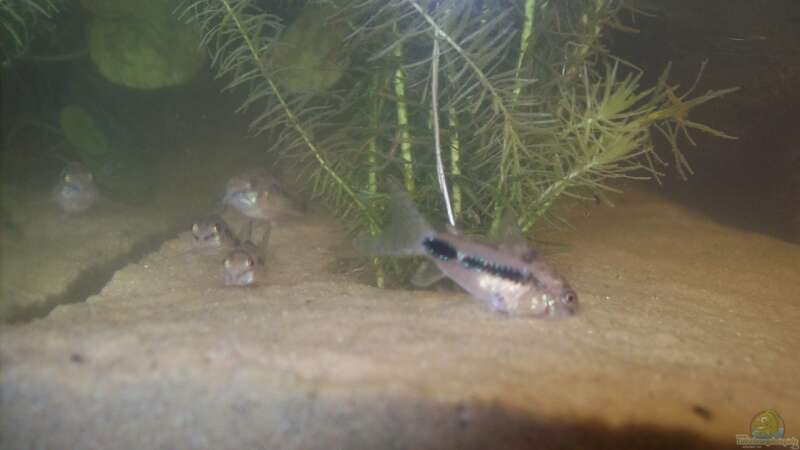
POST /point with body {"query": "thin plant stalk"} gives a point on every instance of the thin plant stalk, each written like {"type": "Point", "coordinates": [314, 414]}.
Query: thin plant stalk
{"type": "Point", "coordinates": [372, 188]}
{"type": "Point", "coordinates": [436, 138]}
{"type": "Point", "coordinates": [524, 42]}
{"type": "Point", "coordinates": [372, 175]}
{"type": "Point", "coordinates": [455, 160]}
{"type": "Point", "coordinates": [402, 124]}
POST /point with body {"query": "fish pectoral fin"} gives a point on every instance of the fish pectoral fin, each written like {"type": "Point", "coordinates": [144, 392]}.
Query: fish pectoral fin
{"type": "Point", "coordinates": [498, 303]}
{"type": "Point", "coordinates": [427, 273]}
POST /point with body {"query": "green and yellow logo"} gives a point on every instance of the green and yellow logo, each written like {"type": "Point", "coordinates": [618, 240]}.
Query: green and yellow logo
{"type": "Point", "coordinates": [767, 430]}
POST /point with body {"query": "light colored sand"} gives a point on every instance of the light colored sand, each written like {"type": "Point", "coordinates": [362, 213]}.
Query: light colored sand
{"type": "Point", "coordinates": [687, 329]}
{"type": "Point", "coordinates": [52, 258]}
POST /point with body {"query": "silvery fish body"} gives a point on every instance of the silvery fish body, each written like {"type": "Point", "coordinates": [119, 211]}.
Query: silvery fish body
{"type": "Point", "coordinates": [241, 265]}
{"type": "Point", "coordinates": [75, 191]}
{"type": "Point", "coordinates": [510, 277]}
{"type": "Point", "coordinates": [258, 195]}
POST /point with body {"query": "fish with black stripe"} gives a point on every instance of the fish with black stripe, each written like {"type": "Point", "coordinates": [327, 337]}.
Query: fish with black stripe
{"type": "Point", "coordinates": [510, 277]}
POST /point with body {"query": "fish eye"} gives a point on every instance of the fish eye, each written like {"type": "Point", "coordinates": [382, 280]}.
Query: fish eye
{"type": "Point", "coordinates": [250, 262]}
{"type": "Point", "coordinates": [571, 298]}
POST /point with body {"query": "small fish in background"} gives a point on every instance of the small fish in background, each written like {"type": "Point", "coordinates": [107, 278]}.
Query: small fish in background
{"type": "Point", "coordinates": [75, 191]}
{"type": "Point", "coordinates": [241, 265]}
{"type": "Point", "coordinates": [259, 196]}
{"type": "Point", "coordinates": [510, 277]}
{"type": "Point", "coordinates": [213, 233]}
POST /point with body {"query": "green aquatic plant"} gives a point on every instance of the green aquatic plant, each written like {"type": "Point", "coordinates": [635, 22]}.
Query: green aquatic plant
{"type": "Point", "coordinates": [310, 53]}
{"type": "Point", "coordinates": [145, 53]}
{"type": "Point", "coordinates": [241, 38]}
{"type": "Point", "coordinates": [671, 116]}
{"type": "Point", "coordinates": [605, 134]}
{"type": "Point", "coordinates": [82, 132]}
{"type": "Point", "coordinates": [141, 45]}
{"type": "Point", "coordinates": [532, 106]}
{"type": "Point", "coordinates": [19, 22]}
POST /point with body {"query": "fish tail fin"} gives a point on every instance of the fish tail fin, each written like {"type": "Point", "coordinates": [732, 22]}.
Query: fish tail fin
{"type": "Point", "coordinates": [405, 232]}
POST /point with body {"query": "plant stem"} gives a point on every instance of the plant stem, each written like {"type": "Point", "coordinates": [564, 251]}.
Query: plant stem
{"type": "Point", "coordinates": [436, 138]}
{"type": "Point", "coordinates": [455, 160]}
{"type": "Point", "coordinates": [547, 197]}
{"type": "Point", "coordinates": [402, 123]}
{"type": "Point", "coordinates": [372, 188]}
{"type": "Point", "coordinates": [372, 177]}
{"type": "Point", "coordinates": [527, 29]}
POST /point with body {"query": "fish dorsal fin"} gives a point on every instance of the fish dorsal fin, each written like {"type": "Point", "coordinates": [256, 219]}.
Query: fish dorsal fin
{"type": "Point", "coordinates": [427, 273]}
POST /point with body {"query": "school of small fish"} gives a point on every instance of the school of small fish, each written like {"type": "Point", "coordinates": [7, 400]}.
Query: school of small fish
{"type": "Point", "coordinates": [507, 275]}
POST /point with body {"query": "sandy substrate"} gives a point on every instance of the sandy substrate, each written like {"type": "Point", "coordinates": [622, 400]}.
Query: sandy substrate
{"type": "Point", "coordinates": [49, 257]}
{"type": "Point", "coordinates": [687, 329]}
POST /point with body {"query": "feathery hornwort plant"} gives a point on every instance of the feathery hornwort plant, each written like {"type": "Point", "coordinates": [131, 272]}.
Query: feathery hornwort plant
{"type": "Point", "coordinates": [533, 106]}
{"type": "Point", "coordinates": [19, 20]}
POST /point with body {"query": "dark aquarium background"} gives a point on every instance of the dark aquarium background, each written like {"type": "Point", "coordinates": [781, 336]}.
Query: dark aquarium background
{"type": "Point", "coordinates": [751, 182]}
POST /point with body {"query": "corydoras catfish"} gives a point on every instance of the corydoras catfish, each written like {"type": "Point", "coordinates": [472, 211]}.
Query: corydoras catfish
{"type": "Point", "coordinates": [258, 195]}
{"type": "Point", "coordinates": [510, 276]}
{"type": "Point", "coordinates": [213, 233]}
{"type": "Point", "coordinates": [76, 191]}
{"type": "Point", "coordinates": [241, 265]}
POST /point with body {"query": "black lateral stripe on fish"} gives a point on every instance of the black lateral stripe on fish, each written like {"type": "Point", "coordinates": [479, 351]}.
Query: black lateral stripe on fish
{"type": "Point", "coordinates": [499, 270]}
{"type": "Point", "coordinates": [443, 250]}
{"type": "Point", "coordinates": [440, 249]}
